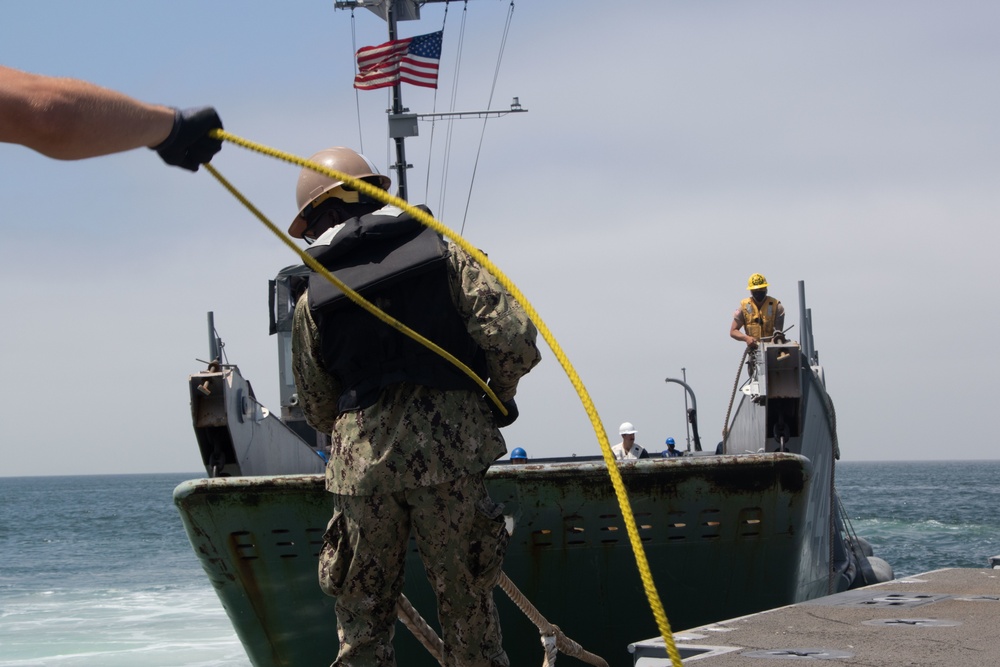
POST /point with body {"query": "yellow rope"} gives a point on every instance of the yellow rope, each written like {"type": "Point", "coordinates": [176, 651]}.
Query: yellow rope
{"type": "Point", "coordinates": [377, 193]}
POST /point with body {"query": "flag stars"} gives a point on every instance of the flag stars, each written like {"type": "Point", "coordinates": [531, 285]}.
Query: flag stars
{"type": "Point", "coordinates": [413, 60]}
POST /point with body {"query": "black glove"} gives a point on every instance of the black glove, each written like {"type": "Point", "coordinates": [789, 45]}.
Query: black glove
{"type": "Point", "coordinates": [501, 420]}
{"type": "Point", "coordinates": [189, 144]}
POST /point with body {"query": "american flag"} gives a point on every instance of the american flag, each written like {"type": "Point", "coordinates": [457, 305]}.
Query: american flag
{"type": "Point", "coordinates": [412, 60]}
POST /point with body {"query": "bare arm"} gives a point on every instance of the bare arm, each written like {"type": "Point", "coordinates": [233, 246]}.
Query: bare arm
{"type": "Point", "coordinates": [69, 119]}
{"type": "Point", "coordinates": [735, 333]}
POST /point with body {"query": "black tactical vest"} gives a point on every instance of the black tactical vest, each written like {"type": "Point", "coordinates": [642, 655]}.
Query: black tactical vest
{"type": "Point", "coordinates": [400, 266]}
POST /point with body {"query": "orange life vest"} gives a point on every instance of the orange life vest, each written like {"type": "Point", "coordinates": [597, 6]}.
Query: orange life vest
{"type": "Point", "coordinates": [758, 322]}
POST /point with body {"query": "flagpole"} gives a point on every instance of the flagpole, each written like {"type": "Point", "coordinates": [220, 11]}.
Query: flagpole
{"type": "Point", "coordinates": [397, 108]}
{"type": "Point", "coordinates": [402, 123]}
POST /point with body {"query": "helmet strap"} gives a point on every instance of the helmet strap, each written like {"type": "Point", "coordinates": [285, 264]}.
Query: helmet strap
{"type": "Point", "coordinates": [328, 213]}
{"type": "Point", "coordinates": [333, 211]}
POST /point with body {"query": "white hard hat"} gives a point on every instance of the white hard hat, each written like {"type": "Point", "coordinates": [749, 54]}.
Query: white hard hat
{"type": "Point", "coordinates": [626, 428]}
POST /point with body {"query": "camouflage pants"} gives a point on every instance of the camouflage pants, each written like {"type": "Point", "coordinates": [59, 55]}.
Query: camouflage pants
{"type": "Point", "coordinates": [461, 537]}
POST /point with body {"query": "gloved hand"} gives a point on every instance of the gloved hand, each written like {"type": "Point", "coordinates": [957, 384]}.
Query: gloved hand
{"type": "Point", "coordinates": [501, 420]}
{"type": "Point", "coordinates": [189, 145]}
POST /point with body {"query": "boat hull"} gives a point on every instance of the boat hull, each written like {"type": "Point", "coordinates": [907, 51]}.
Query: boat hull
{"type": "Point", "coordinates": [721, 533]}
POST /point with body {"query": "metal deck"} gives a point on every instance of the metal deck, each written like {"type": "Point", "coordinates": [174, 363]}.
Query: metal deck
{"type": "Point", "coordinates": [945, 617]}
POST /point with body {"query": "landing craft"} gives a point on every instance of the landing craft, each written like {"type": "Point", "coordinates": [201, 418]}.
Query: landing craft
{"type": "Point", "coordinates": [753, 526]}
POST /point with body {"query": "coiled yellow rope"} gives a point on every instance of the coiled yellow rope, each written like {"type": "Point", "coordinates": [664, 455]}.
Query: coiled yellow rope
{"type": "Point", "coordinates": [642, 564]}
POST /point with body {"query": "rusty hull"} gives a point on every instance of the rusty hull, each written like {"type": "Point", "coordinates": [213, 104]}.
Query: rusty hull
{"type": "Point", "coordinates": [719, 533]}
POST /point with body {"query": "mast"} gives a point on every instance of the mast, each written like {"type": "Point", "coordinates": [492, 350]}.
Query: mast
{"type": "Point", "coordinates": [397, 110]}
{"type": "Point", "coordinates": [402, 123]}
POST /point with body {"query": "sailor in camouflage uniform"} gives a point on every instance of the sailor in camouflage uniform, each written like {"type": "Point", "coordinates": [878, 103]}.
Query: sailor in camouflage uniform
{"type": "Point", "coordinates": [412, 436]}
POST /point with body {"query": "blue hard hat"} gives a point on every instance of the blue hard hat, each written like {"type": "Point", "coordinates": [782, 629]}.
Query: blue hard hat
{"type": "Point", "coordinates": [518, 453]}
{"type": "Point", "coordinates": [670, 441]}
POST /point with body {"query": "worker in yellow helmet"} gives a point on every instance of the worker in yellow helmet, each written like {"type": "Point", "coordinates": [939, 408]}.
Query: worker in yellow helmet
{"type": "Point", "coordinates": [759, 315]}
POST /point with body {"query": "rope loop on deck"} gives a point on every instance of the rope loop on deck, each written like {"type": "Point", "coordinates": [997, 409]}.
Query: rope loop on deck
{"type": "Point", "coordinates": [553, 639]}
{"type": "Point", "coordinates": [563, 643]}
{"type": "Point", "coordinates": [551, 652]}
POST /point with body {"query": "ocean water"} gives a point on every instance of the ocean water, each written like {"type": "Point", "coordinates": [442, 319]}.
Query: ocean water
{"type": "Point", "coordinates": [97, 571]}
{"type": "Point", "coordinates": [924, 516]}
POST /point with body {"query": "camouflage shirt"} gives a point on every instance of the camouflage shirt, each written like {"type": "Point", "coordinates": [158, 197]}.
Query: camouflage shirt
{"type": "Point", "coordinates": [414, 435]}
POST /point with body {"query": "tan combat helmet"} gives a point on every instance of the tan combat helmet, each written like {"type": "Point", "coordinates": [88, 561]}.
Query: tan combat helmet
{"type": "Point", "coordinates": [314, 188]}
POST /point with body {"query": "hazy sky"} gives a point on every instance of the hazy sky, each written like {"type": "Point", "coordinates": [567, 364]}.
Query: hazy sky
{"type": "Point", "coordinates": [670, 150]}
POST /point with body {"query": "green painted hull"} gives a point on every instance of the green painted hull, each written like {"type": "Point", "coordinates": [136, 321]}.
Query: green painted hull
{"type": "Point", "coordinates": [724, 536]}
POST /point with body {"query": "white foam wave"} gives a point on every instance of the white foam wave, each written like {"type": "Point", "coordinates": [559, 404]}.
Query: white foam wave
{"type": "Point", "coordinates": [157, 627]}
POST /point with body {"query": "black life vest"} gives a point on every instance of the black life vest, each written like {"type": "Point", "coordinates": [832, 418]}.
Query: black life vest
{"type": "Point", "coordinates": [400, 266]}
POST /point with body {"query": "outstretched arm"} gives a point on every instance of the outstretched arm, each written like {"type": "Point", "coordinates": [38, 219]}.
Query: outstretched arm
{"type": "Point", "coordinates": [70, 119]}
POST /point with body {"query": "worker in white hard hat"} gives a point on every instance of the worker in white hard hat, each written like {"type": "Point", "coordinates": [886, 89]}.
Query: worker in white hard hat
{"type": "Point", "coordinates": [628, 448]}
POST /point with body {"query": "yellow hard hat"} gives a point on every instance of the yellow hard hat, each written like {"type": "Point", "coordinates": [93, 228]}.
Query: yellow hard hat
{"type": "Point", "coordinates": [756, 281]}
